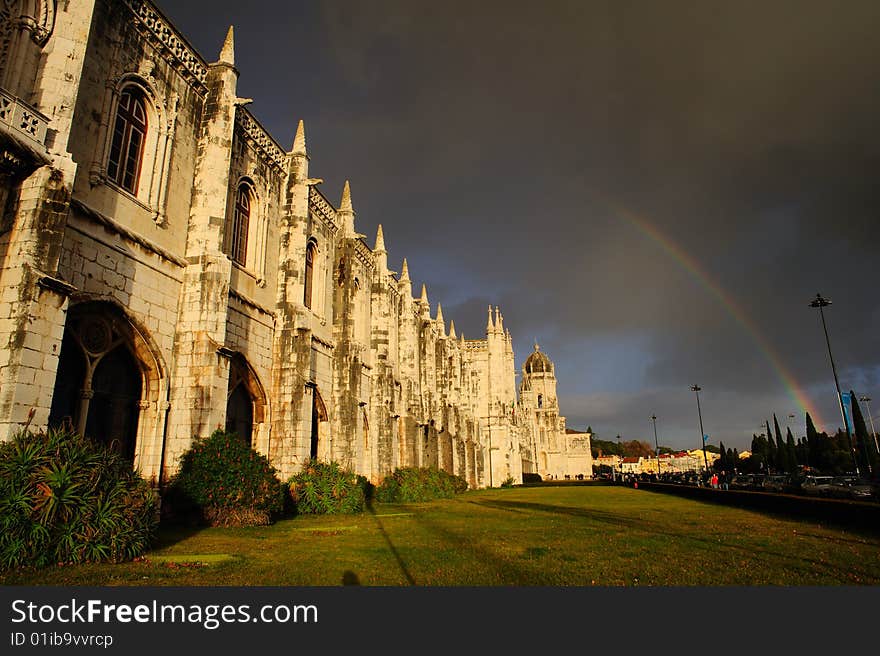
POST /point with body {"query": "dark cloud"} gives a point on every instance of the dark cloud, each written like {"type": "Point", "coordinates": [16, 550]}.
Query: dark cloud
{"type": "Point", "coordinates": [497, 143]}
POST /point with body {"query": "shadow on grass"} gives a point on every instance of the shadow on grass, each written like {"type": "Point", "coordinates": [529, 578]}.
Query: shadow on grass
{"type": "Point", "coordinates": [391, 547]}
{"type": "Point", "coordinates": [530, 507]}
{"type": "Point", "coordinates": [709, 542]}
{"type": "Point", "coordinates": [170, 533]}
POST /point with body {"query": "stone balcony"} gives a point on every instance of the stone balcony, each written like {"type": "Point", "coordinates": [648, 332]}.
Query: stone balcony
{"type": "Point", "coordinates": [25, 126]}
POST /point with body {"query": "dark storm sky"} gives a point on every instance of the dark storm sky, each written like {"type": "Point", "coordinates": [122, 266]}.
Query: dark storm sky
{"type": "Point", "coordinates": [502, 146]}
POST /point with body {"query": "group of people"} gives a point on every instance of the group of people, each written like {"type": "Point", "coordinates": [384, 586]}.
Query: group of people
{"type": "Point", "coordinates": [720, 482]}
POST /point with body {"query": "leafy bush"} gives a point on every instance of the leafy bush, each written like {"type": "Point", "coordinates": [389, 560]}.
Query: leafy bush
{"type": "Point", "coordinates": [531, 478]}
{"type": "Point", "coordinates": [510, 481]}
{"type": "Point", "coordinates": [325, 488]}
{"type": "Point", "coordinates": [413, 484]}
{"type": "Point", "coordinates": [223, 482]}
{"type": "Point", "coordinates": [67, 499]}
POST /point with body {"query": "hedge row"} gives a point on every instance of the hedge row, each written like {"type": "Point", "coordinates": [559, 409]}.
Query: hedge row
{"type": "Point", "coordinates": [67, 499]}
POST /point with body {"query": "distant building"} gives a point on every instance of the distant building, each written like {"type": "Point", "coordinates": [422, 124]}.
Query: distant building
{"type": "Point", "coordinates": [632, 465]}
{"type": "Point", "coordinates": [557, 452]}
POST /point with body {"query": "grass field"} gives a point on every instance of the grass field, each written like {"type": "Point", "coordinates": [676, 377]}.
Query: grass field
{"type": "Point", "coordinates": [563, 536]}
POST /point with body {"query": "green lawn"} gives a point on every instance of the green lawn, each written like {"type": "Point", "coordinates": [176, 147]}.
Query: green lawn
{"type": "Point", "coordinates": [557, 536]}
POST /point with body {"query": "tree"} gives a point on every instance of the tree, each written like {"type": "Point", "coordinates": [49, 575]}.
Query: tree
{"type": "Point", "coordinates": [812, 443]}
{"type": "Point", "coordinates": [781, 452]}
{"type": "Point", "coordinates": [802, 452]}
{"type": "Point", "coordinates": [771, 450]}
{"type": "Point", "coordinates": [759, 453]}
{"type": "Point", "coordinates": [636, 448]}
{"type": "Point", "coordinates": [867, 454]}
{"type": "Point", "coordinates": [790, 451]}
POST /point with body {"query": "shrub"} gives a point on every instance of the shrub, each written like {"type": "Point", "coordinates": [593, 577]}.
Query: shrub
{"type": "Point", "coordinates": [67, 499]}
{"type": "Point", "coordinates": [531, 478]}
{"type": "Point", "coordinates": [222, 481]}
{"type": "Point", "coordinates": [325, 488]}
{"type": "Point", "coordinates": [413, 484]}
{"type": "Point", "coordinates": [510, 481]}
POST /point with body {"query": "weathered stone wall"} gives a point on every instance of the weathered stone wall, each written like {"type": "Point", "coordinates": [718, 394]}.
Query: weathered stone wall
{"type": "Point", "coordinates": [364, 374]}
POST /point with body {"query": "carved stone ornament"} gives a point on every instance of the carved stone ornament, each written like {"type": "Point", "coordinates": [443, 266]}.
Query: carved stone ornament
{"type": "Point", "coordinates": [95, 335]}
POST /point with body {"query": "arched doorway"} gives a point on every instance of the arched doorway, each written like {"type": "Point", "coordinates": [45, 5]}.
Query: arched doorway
{"type": "Point", "coordinates": [245, 400]}
{"type": "Point", "coordinates": [113, 411]}
{"type": "Point", "coordinates": [319, 416]}
{"type": "Point", "coordinates": [240, 413]}
{"type": "Point", "coordinates": [99, 384]}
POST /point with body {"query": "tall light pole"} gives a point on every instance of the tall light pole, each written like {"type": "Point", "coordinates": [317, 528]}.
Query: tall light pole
{"type": "Point", "coordinates": [656, 445]}
{"type": "Point", "coordinates": [820, 303]}
{"type": "Point", "coordinates": [620, 456]}
{"type": "Point", "coordinates": [867, 400]}
{"type": "Point", "coordinates": [696, 389]}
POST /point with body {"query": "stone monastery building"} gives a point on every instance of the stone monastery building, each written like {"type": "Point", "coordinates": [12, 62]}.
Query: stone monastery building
{"type": "Point", "coordinates": [167, 268]}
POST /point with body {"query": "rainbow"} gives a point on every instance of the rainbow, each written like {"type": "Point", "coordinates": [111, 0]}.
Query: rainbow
{"type": "Point", "coordinates": [693, 267]}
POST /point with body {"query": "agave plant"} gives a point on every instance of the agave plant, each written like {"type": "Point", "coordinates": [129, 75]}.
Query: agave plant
{"type": "Point", "coordinates": [64, 498]}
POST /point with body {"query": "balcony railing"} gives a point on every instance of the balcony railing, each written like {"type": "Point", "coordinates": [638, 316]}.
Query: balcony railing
{"type": "Point", "coordinates": [24, 121]}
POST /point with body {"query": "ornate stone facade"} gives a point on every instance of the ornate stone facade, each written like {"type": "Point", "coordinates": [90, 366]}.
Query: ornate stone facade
{"type": "Point", "coordinates": [168, 268]}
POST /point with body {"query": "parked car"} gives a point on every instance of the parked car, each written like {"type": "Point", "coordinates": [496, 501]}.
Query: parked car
{"type": "Point", "coordinates": [850, 487]}
{"type": "Point", "coordinates": [817, 486]}
{"type": "Point", "coordinates": [741, 482]}
{"type": "Point", "coordinates": [756, 481]}
{"type": "Point", "coordinates": [776, 483]}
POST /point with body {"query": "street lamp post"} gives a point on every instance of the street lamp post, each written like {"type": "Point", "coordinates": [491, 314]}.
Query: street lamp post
{"type": "Point", "coordinates": [656, 445]}
{"type": "Point", "coordinates": [620, 457]}
{"type": "Point", "coordinates": [867, 400]}
{"type": "Point", "coordinates": [696, 389]}
{"type": "Point", "coordinates": [820, 303]}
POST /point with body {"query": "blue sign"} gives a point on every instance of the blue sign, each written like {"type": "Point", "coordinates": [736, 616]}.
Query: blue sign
{"type": "Point", "coordinates": [705, 438]}
{"type": "Point", "coordinates": [845, 399]}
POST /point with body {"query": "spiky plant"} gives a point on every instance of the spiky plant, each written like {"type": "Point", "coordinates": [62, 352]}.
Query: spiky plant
{"type": "Point", "coordinates": [67, 499]}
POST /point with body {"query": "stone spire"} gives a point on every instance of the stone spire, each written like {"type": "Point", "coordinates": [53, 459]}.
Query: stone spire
{"type": "Point", "coordinates": [345, 203]}
{"type": "Point", "coordinates": [380, 241]}
{"type": "Point", "coordinates": [227, 54]}
{"type": "Point", "coordinates": [440, 322]}
{"type": "Point", "coordinates": [424, 305]}
{"type": "Point", "coordinates": [346, 212]}
{"type": "Point", "coordinates": [298, 167]}
{"type": "Point", "coordinates": [452, 334]}
{"type": "Point", "coordinates": [490, 325]}
{"type": "Point", "coordinates": [380, 254]}
{"type": "Point", "coordinates": [404, 286]}
{"type": "Point", "coordinates": [499, 320]}
{"type": "Point", "coordinates": [299, 141]}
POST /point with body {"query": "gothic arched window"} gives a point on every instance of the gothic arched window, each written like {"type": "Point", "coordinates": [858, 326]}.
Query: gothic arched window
{"type": "Point", "coordinates": [241, 219]}
{"type": "Point", "coordinates": [311, 252]}
{"type": "Point", "coordinates": [129, 135]}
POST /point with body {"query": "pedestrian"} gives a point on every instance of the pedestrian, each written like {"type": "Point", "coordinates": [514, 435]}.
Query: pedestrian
{"type": "Point", "coordinates": [715, 481]}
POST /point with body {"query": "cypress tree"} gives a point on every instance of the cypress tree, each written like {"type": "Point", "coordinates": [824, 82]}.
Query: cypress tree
{"type": "Point", "coordinates": [802, 454]}
{"type": "Point", "coordinates": [790, 451]}
{"type": "Point", "coordinates": [759, 451]}
{"type": "Point", "coordinates": [781, 457]}
{"type": "Point", "coordinates": [864, 446]}
{"type": "Point", "coordinates": [812, 443]}
{"type": "Point", "coordinates": [771, 450]}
